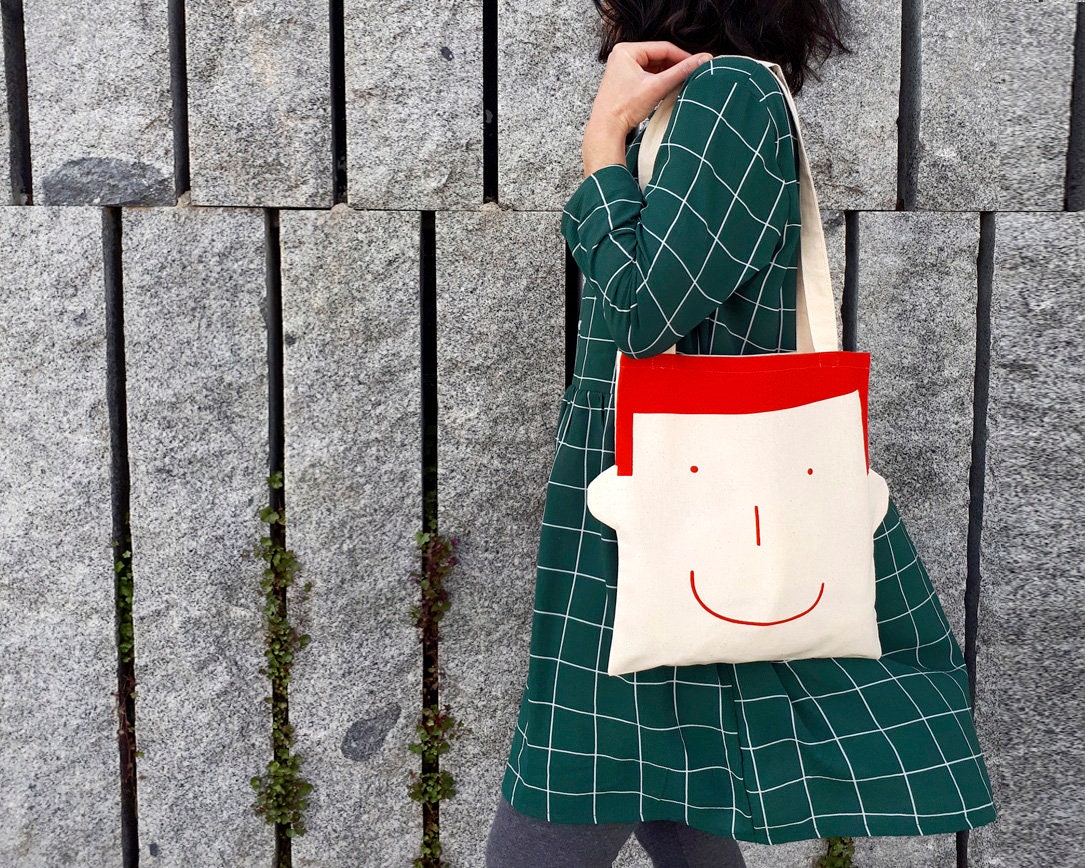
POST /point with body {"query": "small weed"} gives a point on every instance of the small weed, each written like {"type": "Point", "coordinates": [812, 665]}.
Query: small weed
{"type": "Point", "coordinates": [280, 792]}
{"type": "Point", "coordinates": [838, 853]}
{"type": "Point", "coordinates": [436, 727]}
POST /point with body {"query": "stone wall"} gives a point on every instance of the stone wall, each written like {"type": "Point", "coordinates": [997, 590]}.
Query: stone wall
{"type": "Point", "coordinates": [224, 225]}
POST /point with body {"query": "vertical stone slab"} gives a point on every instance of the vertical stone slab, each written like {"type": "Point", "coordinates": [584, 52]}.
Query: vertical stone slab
{"type": "Point", "coordinates": [917, 319]}
{"type": "Point", "coordinates": [545, 99]}
{"type": "Point", "coordinates": [354, 502]}
{"type": "Point", "coordinates": [59, 782]}
{"type": "Point", "coordinates": [500, 373]}
{"type": "Point", "coordinates": [414, 103]}
{"type": "Point", "coordinates": [849, 118]}
{"type": "Point", "coordinates": [196, 365]}
{"type": "Point", "coordinates": [1030, 659]}
{"type": "Point", "coordinates": [259, 103]}
{"type": "Point", "coordinates": [99, 91]}
{"type": "Point", "coordinates": [996, 95]}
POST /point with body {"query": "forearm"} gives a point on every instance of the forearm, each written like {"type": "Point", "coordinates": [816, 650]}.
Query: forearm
{"type": "Point", "coordinates": [604, 143]}
{"type": "Point", "coordinates": [601, 224]}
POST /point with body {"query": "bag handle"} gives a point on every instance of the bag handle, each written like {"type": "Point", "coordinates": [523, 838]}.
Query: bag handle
{"type": "Point", "coordinates": [815, 315]}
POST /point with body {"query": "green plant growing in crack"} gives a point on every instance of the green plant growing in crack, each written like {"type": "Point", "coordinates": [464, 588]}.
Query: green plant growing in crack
{"type": "Point", "coordinates": [436, 726]}
{"type": "Point", "coordinates": [838, 853]}
{"type": "Point", "coordinates": [126, 692]}
{"type": "Point", "coordinates": [280, 792]}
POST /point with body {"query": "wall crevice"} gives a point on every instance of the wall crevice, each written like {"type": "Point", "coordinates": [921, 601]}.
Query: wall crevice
{"type": "Point", "coordinates": [572, 313]}
{"type": "Point", "coordinates": [489, 101]}
{"type": "Point", "coordinates": [1074, 199]}
{"type": "Point", "coordinates": [182, 179]}
{"type": "Point", "coordinates": [976, 472]}
{"type": "Point", "coordinates": [121, 535]}
{"type": "Point", "coordinates": [427, 283]}
{"type": "Point", "coordinates": [273, 320]}
{"type": "Point", "coordinates": [849, 302]}
{"type": "Point", "coordinates": [911, 100]}
{"type": "Point", "coordinates": [21, 187]}
{"type": "Point", "coordinates": [337, 76]}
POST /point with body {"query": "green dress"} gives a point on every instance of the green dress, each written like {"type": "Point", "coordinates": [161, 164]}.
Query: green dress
{"type": "Point", "coordinates": [767, 752]}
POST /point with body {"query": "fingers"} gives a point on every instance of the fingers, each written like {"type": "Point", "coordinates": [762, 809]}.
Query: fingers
{"type": "Point", "coordinates": [675, 75]}
{"type": "Point", "coordinates": [657, 56]}
{"type": "Point", "coordinates": [658, 52]}
{"type": "Point", "coordinates": [639, 74]}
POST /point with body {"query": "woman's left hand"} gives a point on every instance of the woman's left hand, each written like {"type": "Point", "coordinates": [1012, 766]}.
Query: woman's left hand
{"type": "Point", "coordinates": [637, 76]}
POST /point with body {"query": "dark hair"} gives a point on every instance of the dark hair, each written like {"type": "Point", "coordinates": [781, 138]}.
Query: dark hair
{"type": "Point", "coordinates": [797, 34]}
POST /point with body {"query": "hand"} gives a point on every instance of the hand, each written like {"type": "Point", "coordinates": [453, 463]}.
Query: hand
{"type": "Point", "coordinates": [637, 76]}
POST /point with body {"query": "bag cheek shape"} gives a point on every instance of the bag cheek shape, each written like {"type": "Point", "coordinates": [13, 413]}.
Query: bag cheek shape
{"type": "Point", "coordinates": [879, 499]}
{"type": "Point", "coordinates": [606, 495]}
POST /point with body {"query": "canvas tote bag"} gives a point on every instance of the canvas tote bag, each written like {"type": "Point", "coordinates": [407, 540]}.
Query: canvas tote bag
{"type": "Point", "coordinates": [741, 493]}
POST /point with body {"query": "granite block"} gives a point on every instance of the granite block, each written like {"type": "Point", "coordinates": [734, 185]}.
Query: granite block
{"type": "Point", "coordinates": [98, 81]}
{"type": "Point", "coordinates": [545, 98]}
{"type": "Point", "coordinates": [917, 319]}
{"type": "Point", "coordinates": [995, 97]}
{"type": "Point", "coordinates": [547, 81]}
{"type": "Point", "coordinates": [1029, 661]}
{"type": "Point", "coordinates": [259, 103]}
{"type": "Point", "coordinates": [196, 367]}
{"type": "Point", "coordinates": [352, 412]}
{"type": "Point", "coordinates": [500, 371]}
{"type": "Point", "coordinates": [414, 104]}
{"type": "Point", "coordinates": [849, 117]}
{"type": "Point", "coordinates": [59, 781]}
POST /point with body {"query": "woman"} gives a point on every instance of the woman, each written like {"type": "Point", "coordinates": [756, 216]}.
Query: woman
{"type": "Point", "coordinates": [704, 256]}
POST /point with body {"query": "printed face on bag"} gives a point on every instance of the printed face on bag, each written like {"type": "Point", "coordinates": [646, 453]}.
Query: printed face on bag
{"type": "Point", "coordinates": [734, 532]}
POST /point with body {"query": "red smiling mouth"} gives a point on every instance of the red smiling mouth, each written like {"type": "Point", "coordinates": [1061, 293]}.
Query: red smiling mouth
{"type": "Point", "coordinates": [693, 586]}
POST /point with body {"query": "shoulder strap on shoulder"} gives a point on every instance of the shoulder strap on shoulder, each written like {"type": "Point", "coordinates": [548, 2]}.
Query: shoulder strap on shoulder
{"type": "Point", "coordinates": [815, 316]}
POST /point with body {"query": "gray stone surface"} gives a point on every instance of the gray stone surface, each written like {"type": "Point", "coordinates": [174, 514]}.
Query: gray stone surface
{"type": "Point", "coordinates": [414, 104]}
{"type": "Point", "coordinates": [995, 104]}
{"type": "Point", "coordinates": [259, 113]}
{"type": "Point", "coordinates": [849, 118]}
{"type": "Point", "coordinates": [99, 92]}
{"type": "Point", "coordinates": [546, 94]}
{"type": "Point", "coordinates": [196, 363]}
{"type": "Point", "coordinates": [354, 502]}
{"type": "Point", "coordinates": [59, 781]}
{"type": "Point", "coordinates": [917, 319]}
{"type": "Point", "coordinates": [1028, 700]}
{"type": "Point", "coordinates": [500, 321]}
{"type": "Point", "coordinates": [548, 79]}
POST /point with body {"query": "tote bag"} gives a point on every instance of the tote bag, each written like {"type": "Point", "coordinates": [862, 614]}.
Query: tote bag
{"type": "Point", "coordinates": [741, 494]}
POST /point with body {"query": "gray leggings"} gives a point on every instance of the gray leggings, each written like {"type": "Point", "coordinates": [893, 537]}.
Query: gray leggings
{"type": "Point", "coordinates": [519, 841]}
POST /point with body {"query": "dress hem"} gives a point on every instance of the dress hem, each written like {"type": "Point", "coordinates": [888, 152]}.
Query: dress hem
{"type": "Point", "coordinates": [851, 827]}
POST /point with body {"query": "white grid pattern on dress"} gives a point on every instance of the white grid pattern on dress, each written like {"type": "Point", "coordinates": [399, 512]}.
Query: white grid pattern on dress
{"type": "Point", "coordinates": [656, 272]}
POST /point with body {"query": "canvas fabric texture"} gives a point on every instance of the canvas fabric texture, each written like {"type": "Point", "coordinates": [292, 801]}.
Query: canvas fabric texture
{"type": "Point", "coordinates": [769, 752]}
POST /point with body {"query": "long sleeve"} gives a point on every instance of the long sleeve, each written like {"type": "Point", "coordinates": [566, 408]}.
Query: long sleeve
{"type": "Point", "coordinates": [710, 219]}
